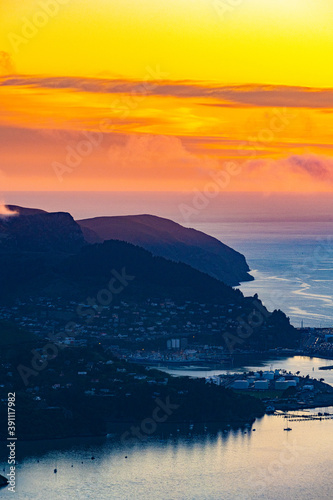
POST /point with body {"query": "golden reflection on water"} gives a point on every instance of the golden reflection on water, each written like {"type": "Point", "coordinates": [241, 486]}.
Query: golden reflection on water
{"type": "Point", "coordinates": [268, 463]}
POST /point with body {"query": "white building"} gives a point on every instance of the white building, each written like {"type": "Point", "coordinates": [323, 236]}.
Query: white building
{"type": "Point", "coordinates": [261, 384]}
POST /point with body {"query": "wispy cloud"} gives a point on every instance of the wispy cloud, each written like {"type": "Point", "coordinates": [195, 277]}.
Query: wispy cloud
{"type": "Point", "coordinates": [309, 172]}
{"type": "Point", "coordinates": [317, 167]}
{"type": "Point", "coordinates": [229, 95]}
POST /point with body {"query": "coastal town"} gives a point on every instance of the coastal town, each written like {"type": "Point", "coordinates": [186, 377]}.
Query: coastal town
{"type": "Point", "coordinates": [72, 353]}
{"type": "Point", "coordinates": [156, 331]}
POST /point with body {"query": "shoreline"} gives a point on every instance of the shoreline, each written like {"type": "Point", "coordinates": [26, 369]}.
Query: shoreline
{"type": "Point", "coordinates": [174, 426]}
{"type": "Point", "coordinates": [225, 364]}
{"type": "Point", "coordinates": [295, 407]}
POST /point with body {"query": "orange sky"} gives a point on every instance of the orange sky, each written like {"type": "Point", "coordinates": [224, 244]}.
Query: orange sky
{"type": "Point", "coordinates": [151, 95]}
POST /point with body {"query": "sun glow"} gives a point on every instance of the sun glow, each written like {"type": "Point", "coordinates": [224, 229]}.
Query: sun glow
{"type": "Point", "coordinates": [209, 74]}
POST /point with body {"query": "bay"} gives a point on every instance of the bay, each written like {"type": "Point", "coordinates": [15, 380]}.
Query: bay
{"type": "Point", "coordinates": [292, 263]}
{"type": "Point", "coordinates": [265, 464]}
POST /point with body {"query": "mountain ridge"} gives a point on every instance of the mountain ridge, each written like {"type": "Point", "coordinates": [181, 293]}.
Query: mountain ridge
{"type": "Point", "coordinates": [166, 238]}
{"type": "Point", "coordinates": [30, 229]}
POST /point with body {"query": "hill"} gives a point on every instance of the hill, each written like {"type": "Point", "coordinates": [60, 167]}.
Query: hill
{"type": "Point", "coordinates": [165, 238]}
{"type": "Point", "coordinates": [39, 231]}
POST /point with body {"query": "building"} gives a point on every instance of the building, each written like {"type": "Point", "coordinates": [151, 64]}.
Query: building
{"type": "Point", "coordinates": [261, 384]}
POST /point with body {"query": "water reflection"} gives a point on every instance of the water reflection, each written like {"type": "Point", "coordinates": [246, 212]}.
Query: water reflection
{"type": "Point", "coordinates": [180, 463]}
{"type": "Point", "coordinates": [266, 464]}
{"type": "Point", "coordinates": [304, 364]}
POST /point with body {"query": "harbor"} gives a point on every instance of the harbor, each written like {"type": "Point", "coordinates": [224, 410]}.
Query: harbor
{"type": "Point", "coordinates": [279, 389]}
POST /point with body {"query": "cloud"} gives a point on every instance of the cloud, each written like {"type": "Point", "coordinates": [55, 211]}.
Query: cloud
{"type": "Point", "coordinates": [157, 155]}
{"type": "Point", "coordinates": [7, 66]}
{"type": "Point", "coordinates": [5, 212]}
{"type": "Point", "coordinates": [226, 95]}
{"type": "Point", "coordinates": [296, 173]}
{"type": "Point", "coordinates": [317, 167]}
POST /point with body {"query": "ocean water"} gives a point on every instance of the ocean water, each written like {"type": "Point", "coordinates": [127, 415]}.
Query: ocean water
{"type": "Point", "coordinates": [292, 263]}
{"type": "Point", "coordinates": [286, 238]}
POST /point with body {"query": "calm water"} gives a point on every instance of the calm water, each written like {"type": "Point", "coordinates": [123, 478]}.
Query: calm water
{"type": "Point", "coordinates": [268, 464]}
{"type": "Point", "coordinates": [293, 266]}
{"type": "Point", "coordinates": [305, 365]}
{"type": "Point", "coordinates": [292, 263]}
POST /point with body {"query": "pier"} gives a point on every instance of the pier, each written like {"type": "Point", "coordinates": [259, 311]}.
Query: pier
{"type": "Point", "coordinates": [305, 418]}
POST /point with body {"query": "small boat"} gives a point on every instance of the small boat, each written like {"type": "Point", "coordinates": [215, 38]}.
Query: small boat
{"type": "Point", "coordinates": [288, 429]}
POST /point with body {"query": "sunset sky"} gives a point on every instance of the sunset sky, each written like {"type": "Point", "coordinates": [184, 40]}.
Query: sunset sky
{"type": "Point", "coordinates": [131, 95]}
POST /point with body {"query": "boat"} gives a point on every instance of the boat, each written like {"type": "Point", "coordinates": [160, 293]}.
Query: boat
{"type": "Point", "coordinates": [288, 429]}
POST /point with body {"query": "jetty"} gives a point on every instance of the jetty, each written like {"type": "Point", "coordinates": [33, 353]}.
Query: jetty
{"type": "Point", "coordinates": [303, 417]}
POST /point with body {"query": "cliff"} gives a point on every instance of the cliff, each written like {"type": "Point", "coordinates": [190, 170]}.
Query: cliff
{"type": "Point", "coordinates": [165, 238]}
{"type": "Point", "coordinates": [38, 231]}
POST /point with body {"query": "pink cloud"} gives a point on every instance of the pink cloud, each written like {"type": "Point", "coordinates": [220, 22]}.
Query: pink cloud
{"type": "Point", "coordinates": [156, 155]}
{"type": "Point", "coordinates": [293, 173]}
